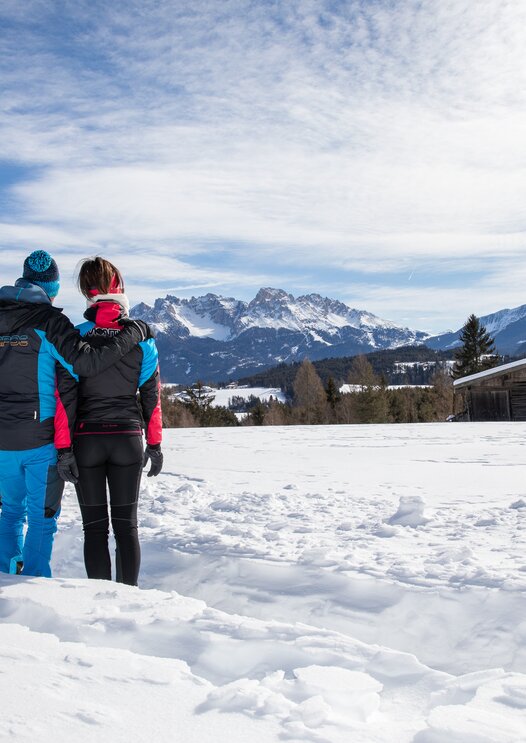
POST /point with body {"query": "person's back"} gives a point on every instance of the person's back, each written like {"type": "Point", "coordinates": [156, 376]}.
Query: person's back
{"type": "Point", "coordinates": [114, 392]}
{"type": "Point", "coordinates": [108, 432]}
{"type": "Point", "coordinates": [27, 369]}
{"type": "Point", "coordinates": [29, 395]}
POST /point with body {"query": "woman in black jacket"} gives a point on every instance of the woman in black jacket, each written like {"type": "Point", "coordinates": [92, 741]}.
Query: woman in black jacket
{"type": "Point", "coordinates": [108, 433]}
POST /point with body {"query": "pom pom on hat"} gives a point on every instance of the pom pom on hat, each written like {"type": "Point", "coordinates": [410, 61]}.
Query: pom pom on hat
{"type": "Point", "coordinates": [39, 261]}
{"type": "Point", "coordinates": [41, 269]}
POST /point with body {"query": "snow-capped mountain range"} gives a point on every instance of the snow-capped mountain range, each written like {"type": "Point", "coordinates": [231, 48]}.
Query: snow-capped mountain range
{"type": "Point", "coordinates": [216, 338]}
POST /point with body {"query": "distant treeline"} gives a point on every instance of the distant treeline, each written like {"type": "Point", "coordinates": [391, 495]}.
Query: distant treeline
{"type": "Point", "coordinates": [424, 363]}
{"type": "Point", "coordinates": [312, 402]}
{"type": "Point", "coordinates": [315, 394]}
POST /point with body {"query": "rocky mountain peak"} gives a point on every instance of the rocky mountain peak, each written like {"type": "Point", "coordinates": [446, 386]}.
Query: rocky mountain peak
{"type": "Point", "coordinates": [214, 337]}
{"type": "Point", "coordinates": [268, 296]}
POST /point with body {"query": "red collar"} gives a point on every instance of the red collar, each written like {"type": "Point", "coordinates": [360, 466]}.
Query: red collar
{"type": "Point", "coordinates": [105, 314]}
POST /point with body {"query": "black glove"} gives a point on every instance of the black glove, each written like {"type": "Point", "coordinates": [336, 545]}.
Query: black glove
{"type": "Point", "coordinates": [154, 454]}
{"type": "Point", "coordinates": [67, 466]}
{"type": "Point", "coordinates": [140, 326]}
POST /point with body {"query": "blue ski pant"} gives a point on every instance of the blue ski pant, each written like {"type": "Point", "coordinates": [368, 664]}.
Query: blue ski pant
{"type": "Point", "coordinates": [30, 491]}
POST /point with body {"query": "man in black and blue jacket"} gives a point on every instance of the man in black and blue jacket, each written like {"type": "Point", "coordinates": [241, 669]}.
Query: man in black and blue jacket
{"type": "Point", "coordinates": [41, 356]}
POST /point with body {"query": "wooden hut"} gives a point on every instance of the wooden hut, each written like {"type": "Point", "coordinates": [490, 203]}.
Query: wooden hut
{"type": "Point", "coordinates": [497, 394]}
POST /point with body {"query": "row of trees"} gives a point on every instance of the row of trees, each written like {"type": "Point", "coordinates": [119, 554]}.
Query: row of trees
{"type": "Point", "coordinates": [313, 403]}
{"type": "Point", "coordinates": [195, 410]}
{"type": "Point", "coordinates": [403, 365]}
{"type": "Point", "coordinates": [368, 398]}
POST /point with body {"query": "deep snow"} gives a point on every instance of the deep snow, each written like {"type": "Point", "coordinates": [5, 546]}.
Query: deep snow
{"type": "Point", "coordinates": [325, 584]}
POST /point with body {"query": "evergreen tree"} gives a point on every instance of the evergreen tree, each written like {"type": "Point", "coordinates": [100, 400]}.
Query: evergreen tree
{"type": "Point", "coordinates": [426, 406]}
{"type": "Point", "coordinates": [219, 416]}
{"type": "Point", "coordinates": [199, 396]}
{"type": "Point", "coordinates": [257, 413]}
{"type": "Point", "coordinates": [397, 406]}
{"type": "Point", "coordinates": [333, 396]}
{"type": "Point", "coordinates": [198, 401]}
{"type": "Point", "coordinates": [477, 351]}
{"type": "Point", "coordinates": [371, 404]}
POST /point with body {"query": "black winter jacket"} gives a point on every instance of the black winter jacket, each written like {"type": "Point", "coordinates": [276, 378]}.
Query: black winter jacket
{"type": "Point", "coordinates": [34, 337]}
{"type": "Point", "coordinates": [112, 395]}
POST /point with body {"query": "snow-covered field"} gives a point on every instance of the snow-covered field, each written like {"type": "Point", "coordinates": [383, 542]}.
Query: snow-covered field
{"type": "Point", "coordinates": [223, 397]}
{"type": "Point", "coordinates": [321, 584]}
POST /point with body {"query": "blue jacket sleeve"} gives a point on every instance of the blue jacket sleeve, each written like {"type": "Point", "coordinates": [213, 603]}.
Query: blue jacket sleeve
{"type": "Point", "coordinates": [150, 393]}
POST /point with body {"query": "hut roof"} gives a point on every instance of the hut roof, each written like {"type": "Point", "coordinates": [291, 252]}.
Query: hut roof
{"type": "Point", "coordinates": [496, 371]}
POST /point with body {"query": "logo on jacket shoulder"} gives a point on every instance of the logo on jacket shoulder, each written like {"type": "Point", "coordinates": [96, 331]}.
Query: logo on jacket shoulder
{"type": "Point", "coordinates": [104, 332]}
{"type": "Point", "coordinates": [8, 341]}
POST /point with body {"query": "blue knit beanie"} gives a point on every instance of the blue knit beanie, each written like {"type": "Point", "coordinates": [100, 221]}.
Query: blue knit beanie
{"type": "Point", "coordinates": [41, 269]}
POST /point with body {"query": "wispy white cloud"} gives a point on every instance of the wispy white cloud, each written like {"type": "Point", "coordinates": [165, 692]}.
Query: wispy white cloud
{"type": "Point", "coordinates": [429, 306]}
{"type": "Point", "coordinates": [348, 136]}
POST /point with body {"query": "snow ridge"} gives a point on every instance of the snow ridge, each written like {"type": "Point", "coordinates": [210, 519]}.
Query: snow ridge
{"type": "Point", "coordinates": [225, 318]}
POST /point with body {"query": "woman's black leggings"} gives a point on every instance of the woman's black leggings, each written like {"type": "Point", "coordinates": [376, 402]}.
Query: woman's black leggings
{"type": "Point", "coordinates": [117, 459]}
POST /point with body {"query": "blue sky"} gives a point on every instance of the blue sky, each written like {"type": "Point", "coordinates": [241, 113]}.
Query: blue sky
{"type": "Point", "coordinates": [373, 152]}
